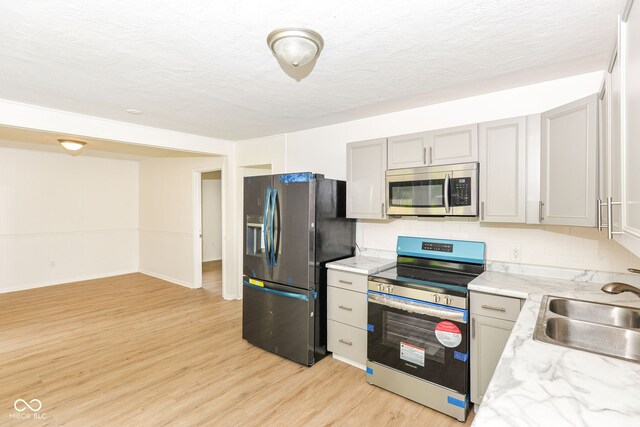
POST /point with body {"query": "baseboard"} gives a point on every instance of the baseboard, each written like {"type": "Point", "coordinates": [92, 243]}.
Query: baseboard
{"type": "Point", "coordinates": [66, 281]}
{"type": "Point", "coordinates": [167, 279]}
{"type": "Point", "coordinates": [212, 259]}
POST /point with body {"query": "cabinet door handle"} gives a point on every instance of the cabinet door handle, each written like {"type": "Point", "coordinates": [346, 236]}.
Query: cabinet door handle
{"type": "Point", "coordinates": [424, 155]}
{"type": "Point", "coordinates": [382, 209]}
{"type": "Point", "coordinates": [599, 213]}
{"type": "Point", "coordinates": [540, 205]}
{"type": "Point", "coordinates": [345, 342]}
{"type": "Point", "coordinates": [633, 270]}
{"type": "Point", "coordinates": [473, 328]}
{"type": "Point", "coordinates": [430, 155]}
{"type": "Point", "coordinates": [345, 308]}
{"type": "Point", "coordinates": [491, 307]}
{"type": "Point", "coordinates": [481, 211]}
{"type": "Point", "coordinates": [346, 282]}
{"type": "Point", "coordinates": [610, 205]}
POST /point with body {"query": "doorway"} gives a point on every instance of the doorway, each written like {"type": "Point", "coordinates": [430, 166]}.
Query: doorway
{"type": "Point", "coordinates": [208, 233]}
{"type": "Point", "coordinates": [211, 247]}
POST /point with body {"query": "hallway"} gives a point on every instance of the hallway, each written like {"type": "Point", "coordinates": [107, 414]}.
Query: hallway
{"type": "Point", "coordinates": [212, 277]}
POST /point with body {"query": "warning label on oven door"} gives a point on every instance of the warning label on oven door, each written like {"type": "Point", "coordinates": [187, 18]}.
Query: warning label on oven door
{"type": "Point", "coordinates": [448, 334]}
{"type": "Point", "coordinates": [412, 353]}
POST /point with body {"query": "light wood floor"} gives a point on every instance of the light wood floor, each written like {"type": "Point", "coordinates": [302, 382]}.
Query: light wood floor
{"type": "Point", "coordinates": [134, 350]}
{"type": "Point", "coordinates": [212, 276]}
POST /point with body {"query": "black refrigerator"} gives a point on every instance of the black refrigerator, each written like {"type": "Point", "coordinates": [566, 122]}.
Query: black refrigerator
{"type": "Point", "coordinates": [293, 225]}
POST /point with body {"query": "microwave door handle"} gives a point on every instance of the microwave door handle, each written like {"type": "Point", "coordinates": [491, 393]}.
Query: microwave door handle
{"type": "Point", "coordinates": [446, 194]}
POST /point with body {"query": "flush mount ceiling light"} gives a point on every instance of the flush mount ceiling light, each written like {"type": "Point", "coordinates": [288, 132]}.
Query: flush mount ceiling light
{"type": "Point", "coordinates": [71, 145]}
{"type": "Point", "coordinates": [295, 46]}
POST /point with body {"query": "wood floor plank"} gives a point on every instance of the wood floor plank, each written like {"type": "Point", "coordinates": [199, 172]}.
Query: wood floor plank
{"type": "Point", "coordinates": [135, 350]}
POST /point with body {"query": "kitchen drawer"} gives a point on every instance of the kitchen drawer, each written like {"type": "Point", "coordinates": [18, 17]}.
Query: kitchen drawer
{"type": "Point", "coordinates": [495, 306]}
{"type": "Point", "coordinates": [347, 307]}
{"type": "Point", "coordinates": [346, 280]}
{"type": "Point", "coordinates": [347, 341]}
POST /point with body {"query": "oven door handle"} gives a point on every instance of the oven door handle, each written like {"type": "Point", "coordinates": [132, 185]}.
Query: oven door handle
{"type": "Point", "coordinates": [418, 307]}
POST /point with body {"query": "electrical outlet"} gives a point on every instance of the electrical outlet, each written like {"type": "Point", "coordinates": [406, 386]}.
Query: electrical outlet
{"type": "Point", "coordinates": [516, 254]}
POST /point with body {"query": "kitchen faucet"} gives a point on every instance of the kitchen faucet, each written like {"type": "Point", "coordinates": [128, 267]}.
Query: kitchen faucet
{"type": "Point", "coordinates": [618, 287]}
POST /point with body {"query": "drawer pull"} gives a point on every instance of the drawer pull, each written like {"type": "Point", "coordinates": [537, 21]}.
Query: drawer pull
{"type": "Point", "coordinates": [346, 282]}
{"type": "Point", "coordinates": [345, 308]}
{"type": "Point", "coordinates": [490, 307]}
{"type": "Point", "coordinates": [345, 342]}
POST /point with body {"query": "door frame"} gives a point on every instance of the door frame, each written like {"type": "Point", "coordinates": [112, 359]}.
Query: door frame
{"type": "Point", "coordinates": [197, 221]}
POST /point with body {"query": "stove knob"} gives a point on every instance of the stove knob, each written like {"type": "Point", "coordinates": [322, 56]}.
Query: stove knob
{"type": "Point", "coordinates": [447, 300]}
{"type": "Point", "coordinates": [390, 289]}
{"type": "Point", "coordinates": [381, 287]}
{"type": "Point", "coordinates": [436, 298]}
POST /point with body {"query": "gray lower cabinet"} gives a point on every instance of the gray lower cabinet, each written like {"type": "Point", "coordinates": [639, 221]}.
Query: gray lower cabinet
{"type": "Point", "coordinates": [347, 316]}
{"type": "Point", "coordinates": [492, 319]}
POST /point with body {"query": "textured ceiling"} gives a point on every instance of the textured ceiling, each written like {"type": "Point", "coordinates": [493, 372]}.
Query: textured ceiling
{"type": "Point", "coordinates": [204, 67]}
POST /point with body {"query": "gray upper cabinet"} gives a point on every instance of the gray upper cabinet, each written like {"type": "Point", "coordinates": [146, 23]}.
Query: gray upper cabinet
{"type": "Point", "coordinates": [614, 159]}
{"type": "Point", "coordinates": [604, 108]}
{"type": "Point", "coordinates": [610, 147]}
{"type": "Point", "coordinates": [502, 170]}
{"type": "Point", "coordinates": [436, 147]}
{"type": "Point", "coordinates": [452, 145]}
{"type": "Point", "coordinates": [366, 165]}
{"type": "Point", "coordinates": [407, 151]}
{"type": "Point", "coordinates": [568, 164]}
{"type": "Point", "coordinates": [630, 64]}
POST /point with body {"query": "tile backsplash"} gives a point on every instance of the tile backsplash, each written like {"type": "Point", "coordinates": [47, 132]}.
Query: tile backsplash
{"type": "Point", "coordinates": [556, 246]}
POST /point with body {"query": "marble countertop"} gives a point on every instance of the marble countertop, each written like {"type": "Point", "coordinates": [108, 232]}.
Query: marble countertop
{"type": "Point", "coordinates": [362, 264]}
{"type": "Point", "coordinates": [540, 384]}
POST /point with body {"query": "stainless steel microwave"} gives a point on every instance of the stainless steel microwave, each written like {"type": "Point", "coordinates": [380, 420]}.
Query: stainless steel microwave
{"type": "Point", "coordinates": [449, 190]}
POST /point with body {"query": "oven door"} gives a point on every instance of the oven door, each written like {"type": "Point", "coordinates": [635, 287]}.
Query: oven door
{"type": "Point", "coordinates": [428, 341]}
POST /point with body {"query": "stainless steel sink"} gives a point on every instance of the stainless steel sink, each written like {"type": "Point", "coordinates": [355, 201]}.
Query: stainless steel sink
{"type": "Point", "coordinates": [598, 328]}
{"type": "Point", "coordinates": [597, 313]}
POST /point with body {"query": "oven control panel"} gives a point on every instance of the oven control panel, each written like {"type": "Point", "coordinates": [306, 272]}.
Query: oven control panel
{"type": "Point", "coordinates": [418, 294]}
{"type": "Point", "coordinates": [440, 247]}
{"type": "Point", "coordinates": [442, 299]}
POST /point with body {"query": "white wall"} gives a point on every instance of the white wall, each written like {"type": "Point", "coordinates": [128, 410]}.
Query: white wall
{"type": "Point", "coordinates": [65, 218]}
{"type": "Point", "coordinates": [323, 150]}
{"type": "Point", "coordinates": [167, 212]}
{"type": "Point", "coordinates": [211, 216]}
{"type": "Point", "coordinates": [567, 247]}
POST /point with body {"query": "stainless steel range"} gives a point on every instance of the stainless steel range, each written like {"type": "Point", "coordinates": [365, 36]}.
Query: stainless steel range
{"type": "Point", "coordinates": [418, 339]}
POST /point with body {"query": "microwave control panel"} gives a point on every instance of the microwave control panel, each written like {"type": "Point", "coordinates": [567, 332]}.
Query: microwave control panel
{"type": "Point", "coordinates": [461, 191]}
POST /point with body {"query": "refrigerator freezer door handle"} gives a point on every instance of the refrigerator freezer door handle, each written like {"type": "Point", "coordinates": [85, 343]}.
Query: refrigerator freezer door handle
{"type": "Point", "coordinates": [265, 226]}
{"type": "Point", "coordinates": [272, 230]}
{"type": "Point", "coordinates": [277, 234]}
